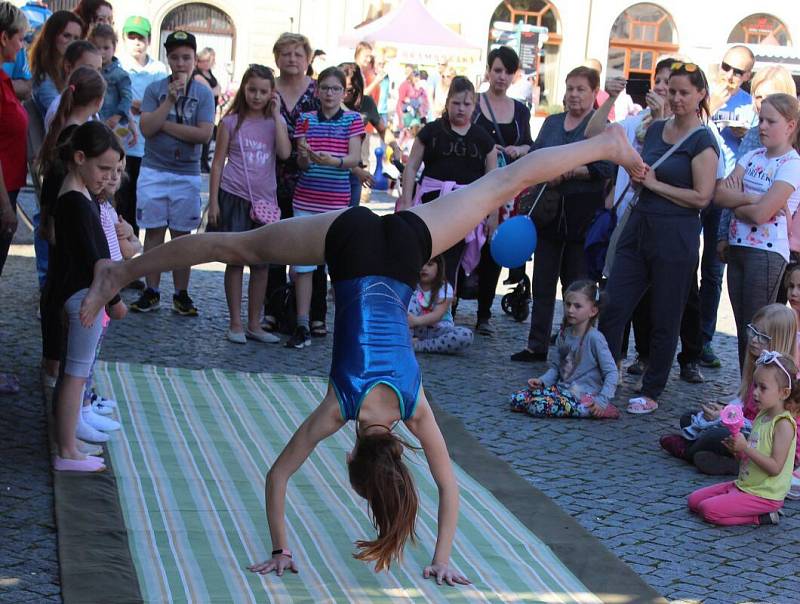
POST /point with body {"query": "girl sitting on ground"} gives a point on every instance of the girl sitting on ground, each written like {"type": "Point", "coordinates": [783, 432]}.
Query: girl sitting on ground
{"type": "Point", "coordinates": [701, 440]}
{"type": "Point", "coordinates": [250, 137]}
{"type": "Point", "coordinates": [582, 377]}
{"type": "Point", "coordinates": [429, 315]}
{"type": "Point", "coordinates": [375, 379]}
{"type": "Point", "coordinates": [767, 455]}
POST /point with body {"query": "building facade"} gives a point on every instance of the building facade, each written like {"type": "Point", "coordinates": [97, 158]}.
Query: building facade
{"type": "Point", "coordinates": [628, 37]}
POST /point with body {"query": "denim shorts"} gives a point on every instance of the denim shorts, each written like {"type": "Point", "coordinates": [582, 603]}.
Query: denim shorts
{"type": "Point", "coordinates": [166, 199]}
{"type": "Point", "coordinates": [302, 268]}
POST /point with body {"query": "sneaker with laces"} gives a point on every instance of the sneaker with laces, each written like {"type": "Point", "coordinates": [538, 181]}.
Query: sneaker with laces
{"type": "Point", "coordinates": [691, 373]}
{"type": "Point", "coordinates": [771, 518]}
{"type": "Point", "coordinates": [85, 432]}
{"type": "Point", "coordinates": [300, 338]}
{"type": "Point", "coordinates": [183, 305]}
{"type": "Point", "coordinates": [708, 358]}
{"type": "Point", "coordinates": [149, 300]}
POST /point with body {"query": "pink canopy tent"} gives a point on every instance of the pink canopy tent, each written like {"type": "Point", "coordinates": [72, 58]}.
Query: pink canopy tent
{"type": "Point", "coordinates": [416, 34]}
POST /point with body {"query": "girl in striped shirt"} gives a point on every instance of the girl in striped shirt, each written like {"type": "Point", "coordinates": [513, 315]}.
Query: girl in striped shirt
{"type": "Point", "coordinates": [328, 147]}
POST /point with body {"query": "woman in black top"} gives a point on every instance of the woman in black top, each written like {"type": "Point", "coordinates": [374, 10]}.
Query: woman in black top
{"type": "Point", "coordinates": [576, 197]}
{"type": "Point", "coordinates": [508, 121]}
{"type": "Point", "coordinates": [203, 74]}
{"type": "Point", "coordinates": [455, 153]}
{"type": "Point", "coordinates": [659, 246]}
{"type": "Point", "coordinates": [92, 153]}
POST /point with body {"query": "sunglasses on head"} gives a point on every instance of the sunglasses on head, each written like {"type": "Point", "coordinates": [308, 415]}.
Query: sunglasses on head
{"type": "Point", "coordinates": [736, 71]}
{"type": "Point", "coordinates": [687, 67]}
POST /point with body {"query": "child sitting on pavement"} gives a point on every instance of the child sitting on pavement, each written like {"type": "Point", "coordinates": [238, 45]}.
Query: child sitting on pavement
{"type": "Point", "coordinates": [429, 315]}
{"type": "Point", "coordinates": [767, 455]}
{"type": "Point", "coordinates": [582, 377]}
{"type": "Point", "coordinates": [701, 439]}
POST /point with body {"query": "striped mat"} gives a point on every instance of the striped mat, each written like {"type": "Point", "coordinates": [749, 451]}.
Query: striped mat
{"type": "Point", "coordinates": [190, 463]}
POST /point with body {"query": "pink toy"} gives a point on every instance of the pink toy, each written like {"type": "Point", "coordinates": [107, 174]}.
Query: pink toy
{"type": "Point", "coordinates": [732, 418]}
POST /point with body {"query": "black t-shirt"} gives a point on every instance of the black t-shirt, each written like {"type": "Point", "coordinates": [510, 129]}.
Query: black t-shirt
{"type": "Point", "coordinates": [369, 111]}
{"type": "Point", "coordinates": [516, 132]}
{"type": "Point", "coordinates": [80, 241]}
{"type": "Point", "coordinates": [676, 169]}
{"type": "Point", "coordinates": [453, 156]}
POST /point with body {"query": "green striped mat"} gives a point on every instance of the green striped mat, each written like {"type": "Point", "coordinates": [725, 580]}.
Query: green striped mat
{"type": "Point", "coordinates": [190, 463]}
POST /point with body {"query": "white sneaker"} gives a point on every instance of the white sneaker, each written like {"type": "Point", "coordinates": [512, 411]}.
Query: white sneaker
{"type": "Point", "coordinates": [85, 432]}
{"type": "Point", "coordinates": [100, 408]}
{"type": "Point", "coordinates": [98, 422]}
{"type": "Point", "coordinates": [89, 448]}
{"type": "Point", "coordinates": [106, 402]}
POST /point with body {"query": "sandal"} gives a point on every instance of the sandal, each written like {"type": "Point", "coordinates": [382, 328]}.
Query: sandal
{"type": "Point", "coordinates": [9, 384]}
{"type": "Point", "coordinates": [641, 405]}
{"type": "Point", "coordinates": [318, 329]}
{"type": "Point", "coordinates": [269, 323]}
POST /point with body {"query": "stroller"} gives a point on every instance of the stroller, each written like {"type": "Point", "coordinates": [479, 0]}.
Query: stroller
{"type": "Point", "coordinates": [517, 302]}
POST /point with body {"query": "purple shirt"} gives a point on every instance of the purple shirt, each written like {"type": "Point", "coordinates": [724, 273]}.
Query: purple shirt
{"type": "Point", "coordinates": [253, 143]}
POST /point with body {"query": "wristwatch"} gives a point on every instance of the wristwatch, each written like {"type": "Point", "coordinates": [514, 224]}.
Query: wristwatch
{"type": "Point", "coordinates": [282, 552]}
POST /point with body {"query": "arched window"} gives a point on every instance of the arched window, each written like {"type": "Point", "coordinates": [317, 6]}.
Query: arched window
{"type": "Point", "coordinates": [640, 35]}
{"type": "Point", "coordinates": [541, 13]}
{"type": "Point", "coordinates": [212, 27]}
{"type": "Point", "coordinates": [760, 29]}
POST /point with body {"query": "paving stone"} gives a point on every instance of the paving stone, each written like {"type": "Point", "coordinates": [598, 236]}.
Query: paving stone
{"type": "Point", "coordinates": [611, 476]}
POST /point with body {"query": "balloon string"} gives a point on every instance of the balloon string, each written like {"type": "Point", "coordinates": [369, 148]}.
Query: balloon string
{"type": "Point", "coordinates": [538, 197]}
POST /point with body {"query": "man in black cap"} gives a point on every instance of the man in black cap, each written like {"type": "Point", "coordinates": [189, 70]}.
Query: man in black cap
{"type": "Point", "coordinates": [177, 119]}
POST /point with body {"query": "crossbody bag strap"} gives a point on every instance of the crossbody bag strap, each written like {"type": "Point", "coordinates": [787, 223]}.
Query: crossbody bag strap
{"type": "Point", "coordinates": [244, 164]}
{"type": "Point", "coordinates": [494, 119]}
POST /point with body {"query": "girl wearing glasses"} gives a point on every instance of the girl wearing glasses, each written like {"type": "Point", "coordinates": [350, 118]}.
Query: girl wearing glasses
{"type": "Point", "coordinates": [658, 250]}
{"type": "Point", "coordinates": [328, 146]}
{"type": "Point", "coordinates": [767, 456]}
{"type": "Point", "coordinates": [701, 440]}
{"type": "Point", "coordinates": [759, 191]}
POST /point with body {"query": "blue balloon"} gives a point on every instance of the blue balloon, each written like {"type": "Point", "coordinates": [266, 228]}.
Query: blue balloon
{"type": "Point", "coordinates": [513, 242]}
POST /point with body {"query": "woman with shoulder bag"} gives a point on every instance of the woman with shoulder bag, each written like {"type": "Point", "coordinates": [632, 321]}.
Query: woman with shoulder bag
{"type": "Point", "coordinates": [508, 122]}
{"type": "Point", "coordinates": [659, 246]}
{"type": "Point", "coordinates": [570, 207]}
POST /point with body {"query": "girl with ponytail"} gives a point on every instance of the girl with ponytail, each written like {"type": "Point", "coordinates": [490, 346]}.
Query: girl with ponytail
{"type": "Point", "coordinates": [80, 101]}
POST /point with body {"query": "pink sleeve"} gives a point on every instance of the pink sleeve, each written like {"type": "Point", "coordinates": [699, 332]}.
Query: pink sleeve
{"type": "Point", "coordinates": [356, 125]}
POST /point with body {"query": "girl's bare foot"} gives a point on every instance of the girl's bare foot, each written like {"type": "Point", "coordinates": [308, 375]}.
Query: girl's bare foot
{"type": "Point", "coordinates": [621, 152]}
{"type": "Point", "coordinates": [106, 285]}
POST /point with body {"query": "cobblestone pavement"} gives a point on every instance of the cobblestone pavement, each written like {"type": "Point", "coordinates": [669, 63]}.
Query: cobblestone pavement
{"type": "Point", "coordinates": [611, 476]}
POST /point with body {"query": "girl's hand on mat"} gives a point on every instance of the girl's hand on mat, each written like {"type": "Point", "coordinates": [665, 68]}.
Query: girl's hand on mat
{"type": "Point", "coordinates": [444, 574]}
{"type": "Point", "coordinates": [277, 563]}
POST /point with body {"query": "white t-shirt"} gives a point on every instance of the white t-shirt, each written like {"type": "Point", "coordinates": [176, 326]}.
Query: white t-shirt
{"type": "Point", "coordinates": [760, 172]}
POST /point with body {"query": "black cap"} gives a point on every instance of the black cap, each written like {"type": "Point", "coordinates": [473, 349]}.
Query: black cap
{"type": "Point", "coordinates": [180, 38]}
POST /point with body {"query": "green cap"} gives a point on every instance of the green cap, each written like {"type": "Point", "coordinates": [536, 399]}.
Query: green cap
{"type": "Point", "coordinates": [137, 25]}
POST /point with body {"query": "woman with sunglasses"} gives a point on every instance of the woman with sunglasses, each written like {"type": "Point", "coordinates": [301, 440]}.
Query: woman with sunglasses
{"type": "Point", "coordinates": [658, 250]}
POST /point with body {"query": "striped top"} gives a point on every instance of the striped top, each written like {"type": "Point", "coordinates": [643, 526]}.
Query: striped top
{"type": "Point", "coordinates": [109, 219]}
{"type": "Point", "coordinates": [325, 188]}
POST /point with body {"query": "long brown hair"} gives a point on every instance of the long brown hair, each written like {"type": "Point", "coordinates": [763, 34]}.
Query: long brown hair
{"type": "Point", "coordinates": [697, 78]}
{"type": "Point", "coordinates": [42, 59]}
{"type": "Point", "coordinates": [379, 475]}
{"type": "Point", "coordinates": [239, 105]}
{"type": "Point", "coordinates": [789, 108]}
{"type": "Point", "coordinates": [439, 282]}
{"type": "Point", "coordinates": [85, 86]}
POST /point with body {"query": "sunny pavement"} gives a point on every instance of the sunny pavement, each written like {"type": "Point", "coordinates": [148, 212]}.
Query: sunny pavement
{"type": "Point", "coordinates": [610, 475]}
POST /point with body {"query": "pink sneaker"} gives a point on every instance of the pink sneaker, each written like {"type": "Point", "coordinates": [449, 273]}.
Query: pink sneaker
{"type": "Point", "coordinates": [90, 464]}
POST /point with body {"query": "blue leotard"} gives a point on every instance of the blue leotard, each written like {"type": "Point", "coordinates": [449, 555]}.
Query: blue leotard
{"type": "Point", "coordinates": [374, 263]}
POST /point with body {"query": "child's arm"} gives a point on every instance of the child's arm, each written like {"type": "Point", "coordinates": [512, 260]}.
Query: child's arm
{"type": "Point", "coordinates": [125, 95]}
{"type": "Point", "coordinates": [129, 244]}
{"type": "Point", "coordinates": [324, 421]}
{"type": "Point", "coordinates": [220, 154]}
{"type": "Point", "coordinates": [781, 443]}
{"type": "Point", "coordinates": [283, 144]}
{"type": "Point", "coordinates": [348, 161]}
{"type": "Point", "coordinates": [431, 318]}
{"type": "Point", "coordinates": [767, 205]}
{"type": "Point", "coordinates": [423, 426]}
{"type": "Point", "coordinates": [608, 367]}
{"type": "Point", "coordinates": [154, 115]}
{"type": "Point", "coordinates": [550, 377]}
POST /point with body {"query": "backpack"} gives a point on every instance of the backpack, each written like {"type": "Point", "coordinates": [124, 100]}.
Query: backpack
{"type": "Point", "coordinates": [598, 238]}
{"type": "Point", "coordinates": [285, 305]}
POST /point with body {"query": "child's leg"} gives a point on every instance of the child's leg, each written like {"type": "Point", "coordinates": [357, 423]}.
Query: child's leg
{"type": "Point", "coordinates": [256, 292]}
{"type": "Point", "coordinates": [735, 507]}
{"type": "Point", "coordinates": [700, 495]}
{"type": "Point", "coordinates": [153, 238]}
{"type": "Point", "coordinates": [445, 340]}
{"type": "Point", "coordinates": [303, 288]}
{"type": "Point", "coordinates": [548, 402]}
{"type": "Point", "coordinates": [450, 217]}
{"type": "Point", "coordinates": [234, 276]}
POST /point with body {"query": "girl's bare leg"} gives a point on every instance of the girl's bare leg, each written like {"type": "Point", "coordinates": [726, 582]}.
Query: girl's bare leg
{"type": "Point", "coordinates": [292, 241]}
{"type": "Point", "coordinates": [451, 217]}
{"type": "Point", "coordinates": [257, 291]}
